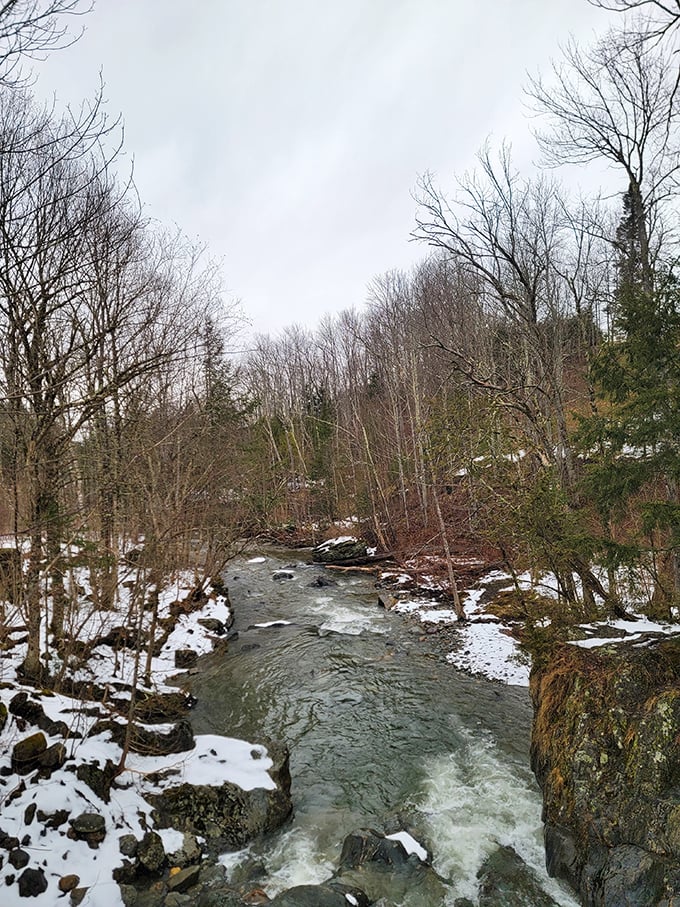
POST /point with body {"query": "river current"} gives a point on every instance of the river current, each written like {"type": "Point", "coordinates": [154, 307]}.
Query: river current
{"type": "Point", "coordinates": [381, 732]}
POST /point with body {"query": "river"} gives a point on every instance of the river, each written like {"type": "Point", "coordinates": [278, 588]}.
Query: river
{"type": "Point", "coordinates": [381, 732]}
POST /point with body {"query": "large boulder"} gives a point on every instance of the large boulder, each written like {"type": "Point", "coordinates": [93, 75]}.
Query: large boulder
{"type": "Point", "coordinates": [504, 878]}
{"type": "Point", "coordinates": [329, 894]}
{"type": "Point", "coordinates": [226, 816]}
{"type": "Point", "coordinates": [605, 752]}
{"type": "Point", "coordinates": [340, 550]}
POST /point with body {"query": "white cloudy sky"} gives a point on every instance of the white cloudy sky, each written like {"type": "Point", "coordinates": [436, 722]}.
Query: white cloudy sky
{"type": "Point", "coordinates": [289, 134]}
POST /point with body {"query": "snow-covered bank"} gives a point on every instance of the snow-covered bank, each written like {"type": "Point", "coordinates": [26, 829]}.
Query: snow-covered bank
{"type": "Point", "coordinates": [487, 643]}
{"type": "Point", "coordinates": [74, 805]}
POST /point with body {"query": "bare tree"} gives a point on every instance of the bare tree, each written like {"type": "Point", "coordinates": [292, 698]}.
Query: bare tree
{"type": "Point", "coordinates": [30, 29]}
{"type": "Point", "coordinates": [616, 103]}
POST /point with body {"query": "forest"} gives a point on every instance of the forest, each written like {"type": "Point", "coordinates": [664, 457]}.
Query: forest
{"type": "Point", "coordinates": [515, 397]}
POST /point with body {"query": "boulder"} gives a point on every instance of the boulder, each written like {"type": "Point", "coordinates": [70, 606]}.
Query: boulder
{"type": "Point", "coordinates": [150, 852]}
{"type": "Point", "coordinates": [89, 827]}
{"type": "Point", "coordinates": [98, 779]}
{"type": "Point", "coordinates": [24, 707]}
{"type": "Point", "coordinates": [504, 878]}
{"type": "Point", "coordinates": [330, 894]}
{"type": "Point", "coordinates": [604, 750]}
{"type": "Point", "coordinates": [225, 815]}
{"type": "Point", "coordinates": [337, 551]}
{"type": "Point", "coordinates": [27, 752]}
{"type": "Point", "coordinates": [368, 846]}
{"type": "Point", "coordinates": [32, 882]}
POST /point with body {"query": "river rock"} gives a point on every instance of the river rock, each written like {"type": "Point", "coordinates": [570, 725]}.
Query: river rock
{"type": "Point", "coordinates": [184, 879]}
{"type": "Point", "coordinates": [330, 894]}
{"type": "Point", "coordinates": [225, 815]}
{"type": "Point", "coordinates": [90, 827]}
{"type": "Point", "coordinates": [604, 750]}
{"type": "Point", "coordinates": [504, 878]}
{"type": "Point", "coordinates": [335, 551]}
{"type": "Point", "coordinates": [368, 846]}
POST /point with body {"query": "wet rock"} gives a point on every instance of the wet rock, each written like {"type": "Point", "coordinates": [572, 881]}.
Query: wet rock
{"type": "Point", "coordinates": [604, 751]}
{"type": "Point", "coordinates": [321, 581]}
{"type": "Point", "coordinates": [368, 846]}
{"type": "Point", "coordinates": [27, 752]}
{"type": "Point", "coordinates": [185, 658]}
{"type": "Point", "coordinates": [227, 816]}
{"type": "Point", "coordinates": [326, 895]}
{"type": "Point", "coordinates": [504, 878]}
{"type": "Point", "coordinates": [32, 882]}
{"type": "Point", "coordinates": [184, 879]}
{"type": "Point", "coordinates": [150, 852]}
{"type": "Point", "coordinates": [280, 575]}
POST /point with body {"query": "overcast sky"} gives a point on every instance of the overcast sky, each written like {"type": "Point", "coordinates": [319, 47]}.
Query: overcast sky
{"type": "Point", "coordinates": [289, 134]}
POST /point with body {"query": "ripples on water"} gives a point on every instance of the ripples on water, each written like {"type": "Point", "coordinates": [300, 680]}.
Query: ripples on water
{"type": "Point", "coordinates": [377, 727]}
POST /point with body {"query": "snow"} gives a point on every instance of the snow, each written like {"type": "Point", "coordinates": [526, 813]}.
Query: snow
{"type": "Point", "coordinates": [488, 650]}
{"type": "Point", "coordinates": [213, 761]}
{"type": "Point", "coordinates": [273, 623]}
{"type": "Point", "coordinates": [409, 844]}
{"type": "Point", "coordinates": [256, 560]}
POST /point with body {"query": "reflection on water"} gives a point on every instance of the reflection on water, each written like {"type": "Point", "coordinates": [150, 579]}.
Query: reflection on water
{"type": "Point", "coordinates": [378, 728]}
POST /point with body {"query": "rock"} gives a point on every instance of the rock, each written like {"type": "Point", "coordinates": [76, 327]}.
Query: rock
{"type": "Point", "coordinates": [127, 845]}
{"type": "Point", "coordinates": [68, 883]}
{"type": "Point", "coordinates": [189, 853]}
{"type": "Point", "coordinates": [504, 878]}
{"type": "Point", "coordinates": [326, 895]}
{"type": "Point", "coordinates": [321, 581]}
{"type": "Point", "coordinates": [386, 600]}
{"type": "Point", "coordinates": [604, 750]}
{"type": "Point", "coordinates": [24, 707]}
{"type": "Point", "coordinates": [32, 882]}
{"type": "Point", "coordinates": [26, 753]}
{"type": "Point", "coordinates": [162, 707]}
{"type": "Point", "coordinates": [98, 779]}
{"type": "Point", "coordinates": [18, 858]}
{"type": "Point", "coordinates": [213, 625]}
{"type": "Point", "coordinates": [29, 813]}
{"type": "Point", "coordinates": [335, 551]}
{"type": "Point", "coordinates": [53, 820]}
{"type": "Point", "coordinates": [150, 852]}
{"type": "Point", "coordinates": [180, 739]}
{"type": "Point", "coordinates": [89, 827]}
{"type": "Point", "coordinates": [184, 879]}
{"type": "Point", "coordinates": [185, 658]}
{"type": "Point", "coordinates": [282, 574]}
{"type": "Point", "coordinates": [227, 816]}
{"type": "Point", "coordinates": [175, 899]}
{"type": "Point", "coordinates": [53, 757]}
{"type": "Point", "coordinates": [368, 846]}
{"type": "Point", "coordinates": [78, 896]}
{"type": "Point", "coordinates": [3, 716]}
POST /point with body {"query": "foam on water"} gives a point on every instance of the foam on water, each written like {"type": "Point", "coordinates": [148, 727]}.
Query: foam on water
{"type": "Point", "coordinates": [472, 803]}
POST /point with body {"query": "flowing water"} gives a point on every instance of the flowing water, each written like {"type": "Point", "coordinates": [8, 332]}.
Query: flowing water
{"type": "Point", "coordinates": [380, 731]}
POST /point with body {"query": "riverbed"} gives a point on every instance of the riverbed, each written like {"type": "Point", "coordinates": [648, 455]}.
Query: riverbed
{"type": "Point", "coordinates": [382, 732]}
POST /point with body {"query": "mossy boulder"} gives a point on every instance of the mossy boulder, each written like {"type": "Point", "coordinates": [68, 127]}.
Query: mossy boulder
{"type": "Point", "coordinates": [339, 551]}
{"type": "Point", "coordinates": [605, 750]}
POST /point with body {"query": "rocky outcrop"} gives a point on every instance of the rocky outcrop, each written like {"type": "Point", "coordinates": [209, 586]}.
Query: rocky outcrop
{"type": "Point", "coordinates": [227, 816]}
{"type": "Point", "coordinates": [606, 752]}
